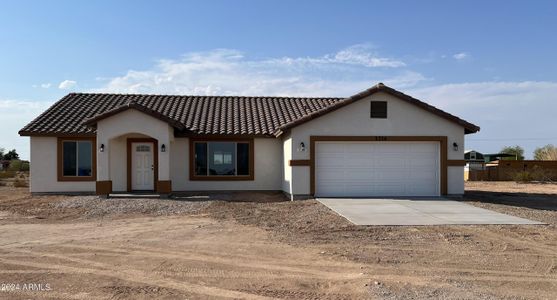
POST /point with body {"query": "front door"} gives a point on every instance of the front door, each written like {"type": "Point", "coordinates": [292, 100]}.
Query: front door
{"type": "Point", "coordinates": [143, 168]}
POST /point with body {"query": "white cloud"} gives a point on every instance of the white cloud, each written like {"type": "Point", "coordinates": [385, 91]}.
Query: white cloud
{"type": "Point", "coordinates": [42, 85]}
{"type": "Point", "coordinates": [362, 55]}
{"type": "Point", "coordinates": [230, 72]}
{"type": "Point", "coordinates": [67, 84]}
{"type": "Point", "coordinates": [461, 56]}
{"type": "Point", "coordinates": [510, 113]}
{"type": "Point", "coordinates": [15, 115]}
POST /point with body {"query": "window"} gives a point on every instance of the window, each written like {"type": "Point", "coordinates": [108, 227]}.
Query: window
{"type": "Point", "coordinates": [379, 109]}
{"type": "Point", "coordinates": [222, 160]}
{"type": "Point", "coordinates": [76, 159]}
{"type": "Point", "coordinates": [142, 148]}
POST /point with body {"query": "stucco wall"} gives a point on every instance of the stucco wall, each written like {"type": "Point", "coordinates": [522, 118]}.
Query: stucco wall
{"type": "Point", "coordinates": [455, 182]}
{"type": "Point", "coordinates": [118, 161]}
{"type": "Point", "coordinates": [130, 122]}
{"type": "Point", "coordinates": [404, 119]}
{"type": "Point", "coordinates": [286, 168]}
{"type": "Point", "coordinates": [44, 168]}
{"type": "Point", "coordinates": [268, 168]}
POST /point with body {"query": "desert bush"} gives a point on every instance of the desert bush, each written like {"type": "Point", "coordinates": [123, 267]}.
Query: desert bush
{"type": "Point", "coordinates": [534, 174]}
{"type": "Point", "coordinates": [18, 165]}
{"type": "Point", "coordinates": [523, 176]}
{"type": "Point", "coordinates": [7, 174]}
{"type": "Point", "coordinates": [21, 183]}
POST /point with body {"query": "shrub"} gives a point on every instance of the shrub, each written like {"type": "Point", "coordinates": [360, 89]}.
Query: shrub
{"type": "Point", "coordinates": [21, 183]}
{"type": "Point", "coordinates": [534, 174]}
{"type": "Point", "coordinates": [18, 165]}
{"type": "Point", "coordinates": [7, 174]}
{"type": "Point", "coordinates": [523, 176]}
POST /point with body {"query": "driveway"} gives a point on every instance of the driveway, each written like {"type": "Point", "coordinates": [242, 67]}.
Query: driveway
{"type": "Point", "coordinates": [439, 211]}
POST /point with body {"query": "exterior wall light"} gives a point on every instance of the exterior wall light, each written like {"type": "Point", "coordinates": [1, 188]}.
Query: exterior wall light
{"type": "Point", "coordinates": [455, 146]}
{"type": "Point", "coordinates": [163, 148]}
{"type": "Point", "coordinates": [302, 147]}
{"type": "Point", "coordinates": [101, 149]}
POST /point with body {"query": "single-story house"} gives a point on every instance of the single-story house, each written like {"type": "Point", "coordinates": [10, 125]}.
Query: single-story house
{"type": "Point", "coordinates": [379, 142]}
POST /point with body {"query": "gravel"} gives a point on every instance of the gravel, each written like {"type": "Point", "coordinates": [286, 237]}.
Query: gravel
{"type": "Point", "coordinates": [93, 206]}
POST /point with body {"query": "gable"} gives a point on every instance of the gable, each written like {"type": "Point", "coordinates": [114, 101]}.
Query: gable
{"type": "Point", "coordinates": [403, 119]}
{"type": "Point", "coordinates": [381, 88]}
{"type": "Point", "coordinates": [133, 121]}
{"type": "Point", "coordinates": [77, 113]}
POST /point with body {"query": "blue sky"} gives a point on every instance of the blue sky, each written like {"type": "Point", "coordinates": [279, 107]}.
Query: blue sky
{"type": "Point", "coordinates": [490, 62]}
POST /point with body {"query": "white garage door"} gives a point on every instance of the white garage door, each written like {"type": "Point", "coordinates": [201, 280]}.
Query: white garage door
{"type": "Point", "coordinates": [370, 169]}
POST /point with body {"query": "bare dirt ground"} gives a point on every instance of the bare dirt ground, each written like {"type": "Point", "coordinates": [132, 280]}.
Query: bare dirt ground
{"type": "Point", "coordinates": [90, 248]}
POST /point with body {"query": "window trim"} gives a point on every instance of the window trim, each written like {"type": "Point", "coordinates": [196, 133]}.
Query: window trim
{"type": "Point", "coordinates": [194, 177]}
{"type": "Point", "coordinates": [371, 109]}
{"type": "Point", "coordinates": [60, 159]}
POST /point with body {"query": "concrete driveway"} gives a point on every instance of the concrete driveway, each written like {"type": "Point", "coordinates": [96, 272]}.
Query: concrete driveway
{"type": "Point", "coordinates": [416, 212]}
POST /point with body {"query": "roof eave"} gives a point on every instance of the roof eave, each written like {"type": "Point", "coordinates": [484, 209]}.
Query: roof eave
{"type": "Point", "coordinates": [380, 87]}
{"type": "Point", "coordinates": [91, 122]}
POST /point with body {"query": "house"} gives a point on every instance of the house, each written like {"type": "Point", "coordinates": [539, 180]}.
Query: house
{"type": "Point", "coordinates": [475, 164]}
{"type": "Point", "coordinates": [379, 142]}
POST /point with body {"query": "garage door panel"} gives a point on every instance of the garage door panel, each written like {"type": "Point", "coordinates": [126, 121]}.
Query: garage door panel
{"type": "Point", "coordinates": [362, 169]}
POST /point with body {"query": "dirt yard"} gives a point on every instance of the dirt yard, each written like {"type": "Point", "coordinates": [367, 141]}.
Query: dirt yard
{"type": "Point", "coordinates": [84, 247]}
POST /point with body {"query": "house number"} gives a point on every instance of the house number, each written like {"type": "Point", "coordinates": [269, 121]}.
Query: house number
{"type": "Point", "coordinates": [380, 138]}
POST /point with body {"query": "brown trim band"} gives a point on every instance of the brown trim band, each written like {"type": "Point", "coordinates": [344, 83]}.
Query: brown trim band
{"type": "Point", "coordinates": [441, 139]}
{"type": "Point", "coordinates": [60, 159]}
{"type": "Point", "coordinates": [103, 187]}
{"type": "Point", "coordinates": [164, 186]}
{"type": "Point", "coordinates": [129, 159]}
{"type": "Point", "coordinates": [456, 163]}
{"type": "Point", "coordinates": [191, 155]}
{"type": "Point", "coordinates": [299, 162]}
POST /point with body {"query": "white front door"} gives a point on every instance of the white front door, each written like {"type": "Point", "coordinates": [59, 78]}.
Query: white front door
{"type": "Point", "coordinates": [373, 169]}
{"type": "Point", "coordinates": [143, 168]}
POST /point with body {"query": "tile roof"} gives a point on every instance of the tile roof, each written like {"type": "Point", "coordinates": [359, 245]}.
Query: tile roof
{"type": "Point", "coordinates": [72, 114]}
{"type": "Point", "coordinates": [77, 113]}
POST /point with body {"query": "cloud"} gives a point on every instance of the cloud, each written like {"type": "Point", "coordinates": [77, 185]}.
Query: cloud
{"type": "Point", "coordinates": [361, 55]}
{"type": "Point", "coordinates": [461, 56]}
{"type": "Point", "coordinates": [230, 72]}
{"type": "Point", "coordinates": [508, 112]}
{"type": "Point", "coordinates": [67, 84]}
{"type": "Point", "coordinates": [15, 115]}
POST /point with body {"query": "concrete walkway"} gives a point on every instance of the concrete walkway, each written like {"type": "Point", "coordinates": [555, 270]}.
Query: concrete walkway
{"type": "Point", "coordinates": [416, 212]}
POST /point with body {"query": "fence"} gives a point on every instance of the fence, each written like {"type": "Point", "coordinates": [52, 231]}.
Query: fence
{"type": "Point", "coordinates": [506, 170]}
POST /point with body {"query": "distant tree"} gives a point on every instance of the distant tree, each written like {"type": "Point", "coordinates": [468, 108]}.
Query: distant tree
{"type": "Point", "coordinates": [11, 155]}
{"type": "Point", "coordinates": [1, 153]}
{"type": "Point", "coordinates": [547, 152]}
{"type": "Point", "coordinates": [517, 151]}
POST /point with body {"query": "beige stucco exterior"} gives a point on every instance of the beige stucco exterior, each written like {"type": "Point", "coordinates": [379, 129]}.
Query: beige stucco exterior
{"type": "Point", "coordinates": [44, 168]}
{"type": "Point", "coordinates": [404, 119]}
{"type": "Point", "coordinates": [267, 169]}
{"type": "Point", "coordinates": [111, 132]}
{"type": "Point", "coordinates": [272, 170]}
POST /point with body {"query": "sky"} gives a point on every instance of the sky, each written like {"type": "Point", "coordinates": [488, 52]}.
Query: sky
{"type": "Point", "coordinates": [492, 63]}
